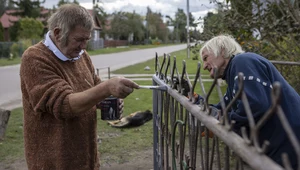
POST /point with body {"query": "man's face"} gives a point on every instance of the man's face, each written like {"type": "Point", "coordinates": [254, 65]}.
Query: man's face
{"type": "Point", "coordinates": [77, 41]}
{"type": "Point", "coordinates": [210, 61]}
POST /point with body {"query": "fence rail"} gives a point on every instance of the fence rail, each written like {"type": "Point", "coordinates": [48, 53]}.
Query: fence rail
{"type": "Point", "coordinates": [178, 126]}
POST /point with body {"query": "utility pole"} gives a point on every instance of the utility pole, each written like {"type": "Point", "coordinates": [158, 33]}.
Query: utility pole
{"type": "Point", "coordinates": [188, 27]}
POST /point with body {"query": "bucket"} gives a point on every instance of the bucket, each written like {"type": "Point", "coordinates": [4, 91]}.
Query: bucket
{"type": "Point", "coordinates": [110, 108]}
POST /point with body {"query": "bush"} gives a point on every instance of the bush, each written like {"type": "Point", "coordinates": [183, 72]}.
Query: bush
{"type": "Point", "coordinates": [18, 48]}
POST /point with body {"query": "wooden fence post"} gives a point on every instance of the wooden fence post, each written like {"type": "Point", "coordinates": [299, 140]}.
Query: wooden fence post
{"type": "Point", "coordinates": [4, 116]}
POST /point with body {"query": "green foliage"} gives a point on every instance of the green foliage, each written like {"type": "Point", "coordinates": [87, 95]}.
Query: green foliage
{"type": "Point", "coordinates": [61, 2]}
{"type": "Point", "coordinates": [155, 41]}
{"type": "Point", "coordinates": [18, 48]}
{"type": "Point", "coordinates": [2, 6]}
{"type": "Point", "coordinates": [195, 51]}
{"type": "Point", "coordinates": [155, 26]}
{"type": "Point", "coordinates": [5, 49]}
{"type": "Point", "coordinates": [213, 25]}
{"type": "Point", "coordinates": [269, 28]}
{"type": "Point", "coordinates": [119, 26]}
{"type": "Point", "coordinates": [27, 8]}
{"type": "Point", "coordinates": [14, 31]}
{"type": "Point", "coordinates": [30, 28]}
{"type": "Point", "coordinates": [135, 21]}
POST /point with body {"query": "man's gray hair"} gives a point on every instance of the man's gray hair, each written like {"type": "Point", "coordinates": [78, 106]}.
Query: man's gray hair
{"type": "Point", "coordinates": [67, 17]}
{"type": "Point", "coordinates": [222, 42]}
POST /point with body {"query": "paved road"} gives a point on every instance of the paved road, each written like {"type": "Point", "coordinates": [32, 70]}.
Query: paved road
{"type": "Point", "coordinates": [10, 92]}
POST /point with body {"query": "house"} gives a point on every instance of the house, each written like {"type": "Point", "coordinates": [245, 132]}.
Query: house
{"type": "Point", "coordinates": [7, 20]}
{"type": "Point", "coordinates": [97, 26]}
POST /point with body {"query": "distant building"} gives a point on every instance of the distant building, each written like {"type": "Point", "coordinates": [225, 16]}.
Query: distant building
{"type": "Point", "coordinates": [7, 20]}
{"type": "Point", "coordinates": [98, 27]}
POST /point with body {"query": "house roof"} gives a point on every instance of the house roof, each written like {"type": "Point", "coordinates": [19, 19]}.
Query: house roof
{"type": "Point", "coordinates": [7, 19]}
{"type": "Point", "coordinates": [97, 22]}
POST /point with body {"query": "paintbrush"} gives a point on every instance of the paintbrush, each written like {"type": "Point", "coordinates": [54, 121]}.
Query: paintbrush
{"type": "Point", "coordinates": [163, 88]}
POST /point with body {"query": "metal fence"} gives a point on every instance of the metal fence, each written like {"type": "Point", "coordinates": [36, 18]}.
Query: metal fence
{"type": "Point", "coordinates": [5, 49]}
{"type": "Point", "coordinates": [178, 125]}
{"type": "Point", "coordinates": [96, 44]}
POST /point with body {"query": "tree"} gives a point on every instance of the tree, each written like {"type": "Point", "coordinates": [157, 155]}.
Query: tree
{"type": "Point", "coordinates": [3, 4]}
{"type": "Point", "coordinates": [135, 21]}
{"type": "Point", "coordinates": [214, 24]}
{"type": "Point", "coordinates": [30, 28]}
{"type": "Point", "coordinates": [179, 23]}
{"type": "Point", "coordinates": [155, 27]}
{"type": "Point", "coordinates": [27, 8]}
{"type": "Point", "coordinates": [274, 23]}
{"type": "Point", "coordinates": [61, 2]}
{"type": "Point", "coordinates": [267, 27]}
{"type": "Point", "coordinates": [102, 15]}
{"type": "Point", "coordinates": [1, 32]}
{"type": "Point", "coordinates": [119, 27]}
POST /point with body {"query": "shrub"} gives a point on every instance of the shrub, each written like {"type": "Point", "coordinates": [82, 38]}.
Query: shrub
{"type": "Point", "coordinates": [18, 48]}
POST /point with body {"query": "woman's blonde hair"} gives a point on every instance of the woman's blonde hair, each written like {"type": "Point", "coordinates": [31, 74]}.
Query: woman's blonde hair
{"type": "Point", "coordinates": [67, 17]}
{"type": "Point", "coordinates": [222, 42]}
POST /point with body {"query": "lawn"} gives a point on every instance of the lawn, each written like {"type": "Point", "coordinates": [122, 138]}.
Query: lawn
{"type": "Point", "coordinates": [114, 143]}
{"type": "Point", "coordinates": [179, 57]}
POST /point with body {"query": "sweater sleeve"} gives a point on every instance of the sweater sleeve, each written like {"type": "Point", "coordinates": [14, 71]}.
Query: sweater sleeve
{"type": "Point", "coordinates": [257, 87]}
{"type": "Point", "coordinates": [47, 91]}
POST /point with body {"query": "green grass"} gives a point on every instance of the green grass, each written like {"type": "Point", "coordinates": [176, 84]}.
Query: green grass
{"type": "Point", "coordinates": [119, 142]}
{"type": "Point", "coordinates": [191, 65]}
{"type": "Point", "coordinates": [127, 48]}
{"type": "Point", "coordinates": [7, 62]}
{"type": "Point", "coordinates": [11, 148]}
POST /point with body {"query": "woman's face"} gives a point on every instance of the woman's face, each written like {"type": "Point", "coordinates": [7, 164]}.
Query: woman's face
{"type": "Point", "coordinates": [77, 41]}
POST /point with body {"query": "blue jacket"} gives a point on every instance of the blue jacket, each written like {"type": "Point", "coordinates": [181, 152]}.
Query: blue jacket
{"type": "Point", "coordinates": [259, 76]}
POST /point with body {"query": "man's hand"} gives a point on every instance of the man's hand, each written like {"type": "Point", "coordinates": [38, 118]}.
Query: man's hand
{"type": "Point", "coordinates": [120, 87]}
{"type": "Point", "coordinates": [198, 99]}
{"type": "Point", "coordinates": [210, 134]}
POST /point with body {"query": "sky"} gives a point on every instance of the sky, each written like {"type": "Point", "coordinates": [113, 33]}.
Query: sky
{"type": "Point", "coordinates": [165, 7]}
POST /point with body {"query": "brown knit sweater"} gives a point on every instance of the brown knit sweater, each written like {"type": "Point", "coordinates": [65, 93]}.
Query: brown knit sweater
{"type": "Point", "coordinates": [54, 137]}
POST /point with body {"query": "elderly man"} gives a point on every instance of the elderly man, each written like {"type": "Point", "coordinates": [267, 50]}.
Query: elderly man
{"type": "Point", "coordinates": [225, 54]}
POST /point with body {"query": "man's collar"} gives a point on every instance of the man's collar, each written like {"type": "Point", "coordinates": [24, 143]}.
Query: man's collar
{"type": "Point", "coordinates": [225, 71]}
{"type": "Point", "coordinates": [49, 43]}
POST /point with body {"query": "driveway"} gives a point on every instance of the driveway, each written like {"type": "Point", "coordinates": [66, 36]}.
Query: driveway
{"type": "Point", "coordinates": [10, 92]}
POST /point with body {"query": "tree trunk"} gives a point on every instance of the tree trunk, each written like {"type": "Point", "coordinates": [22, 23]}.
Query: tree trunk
{"type": "Point", "coordinates": [4, 116]}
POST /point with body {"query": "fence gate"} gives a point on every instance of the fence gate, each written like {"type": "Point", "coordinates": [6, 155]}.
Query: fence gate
{"type": "Point", "coordinates": [178, 125]}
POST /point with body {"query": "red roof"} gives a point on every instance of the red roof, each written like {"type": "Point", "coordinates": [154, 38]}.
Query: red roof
{"type": "Point", "coordinates": [7, 19]}
{"type": "Point", "coordinates": [97, 23]}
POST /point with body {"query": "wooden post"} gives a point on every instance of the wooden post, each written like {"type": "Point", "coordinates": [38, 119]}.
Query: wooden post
{"type": "Point", "coordinates": [4, 116]}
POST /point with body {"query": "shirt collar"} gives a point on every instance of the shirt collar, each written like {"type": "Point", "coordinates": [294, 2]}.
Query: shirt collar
{"type": "Point", "coordinates": [227, 67]}
{"type": "Point", "coordinates": [49, 43]}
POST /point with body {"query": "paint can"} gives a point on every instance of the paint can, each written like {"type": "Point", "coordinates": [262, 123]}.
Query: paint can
{"type": "Point", "coordinates": [110, 108]}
